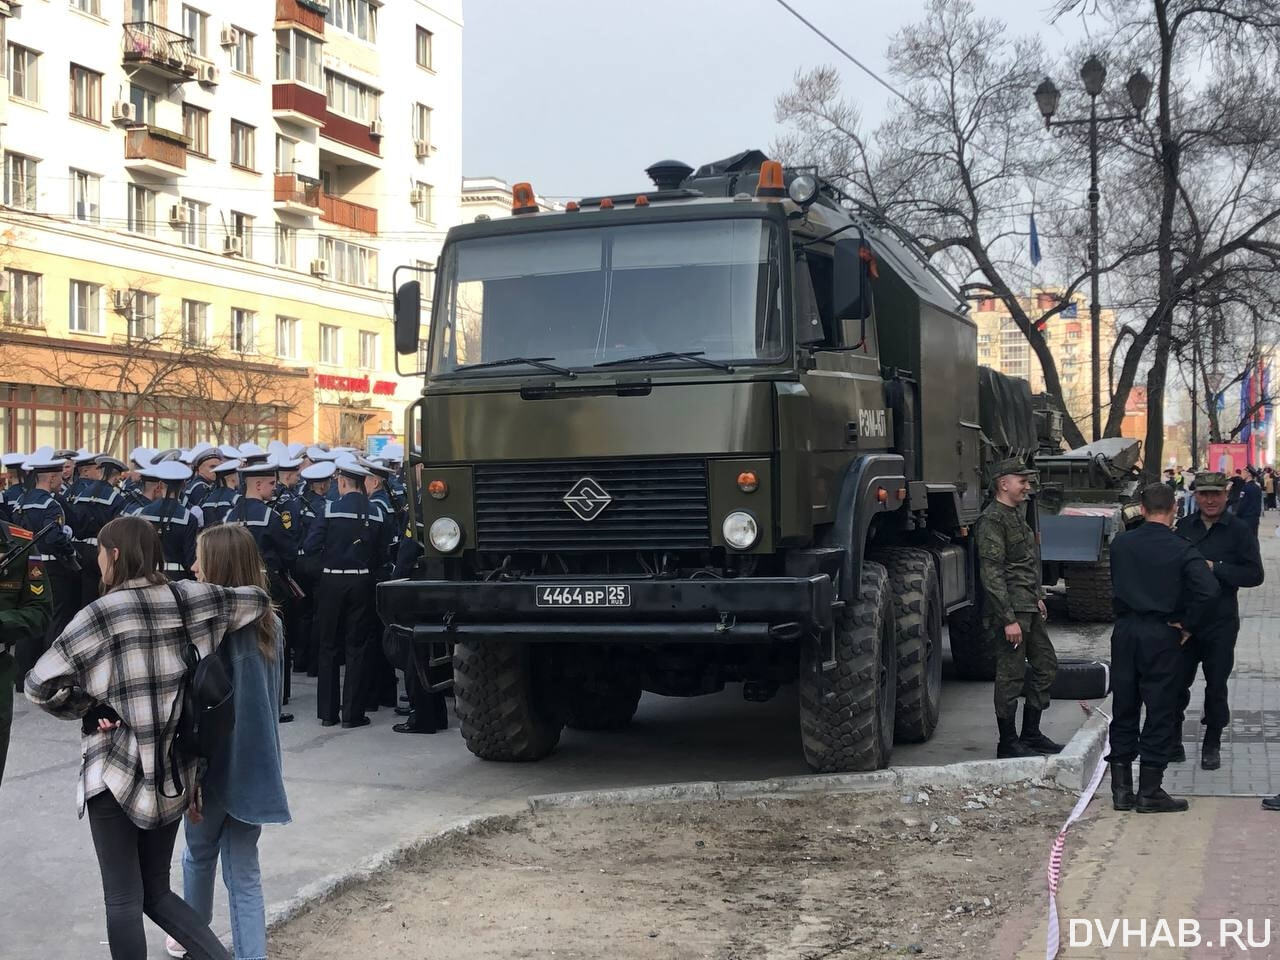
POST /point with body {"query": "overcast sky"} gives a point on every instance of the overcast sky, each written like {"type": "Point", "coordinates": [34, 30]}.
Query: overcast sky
{"type": "Point", "coordinates": [579, 96]}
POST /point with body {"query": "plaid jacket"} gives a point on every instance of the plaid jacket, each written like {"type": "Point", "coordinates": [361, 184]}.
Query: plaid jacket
{"type": "Point", "coordinates": [125, 650]}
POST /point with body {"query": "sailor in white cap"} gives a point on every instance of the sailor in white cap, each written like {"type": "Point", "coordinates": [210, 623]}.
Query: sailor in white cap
{"type": "Point", "coordinates": [380, 673]}
{"type": "Point", "coordinates": [82, 460]}
{"type": "Point", "coordinates": [14, 484]}
{"type": "Point", "coordinates": [139, 459]}
{"type": "Point", "coordinates": [176, 525]}
{"type": "Point", "coordinates": [224, 493]}
{"type": "Point", "coordinates": [202, 458]}
{"type": "Point", "coordinates": [316, 480]}
{"type": "Point", "coordinates": [37, 510]}
{"type": "Point", "coordinates": [350, 542]}
{"type": "Point", "coordinates": [97, 504]}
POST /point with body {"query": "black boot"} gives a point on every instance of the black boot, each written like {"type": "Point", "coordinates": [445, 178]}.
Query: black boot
{"type": "Point", "coordinates": [1211, 749]}
{"type": "Point", "coordinates": [1151, 795]}
{"type": "Point", "coordinates": [1122, 797]}
{"type": "Point", "coordinates": [1031, 735]}
{"type": "Point", "coordinates": [1009, 745]}
{"type": "Point", "coordinates": [1179, 754]}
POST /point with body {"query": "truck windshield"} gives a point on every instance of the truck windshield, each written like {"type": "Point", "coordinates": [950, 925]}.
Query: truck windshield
{"type": "Point", "coordinates": [585, 296]}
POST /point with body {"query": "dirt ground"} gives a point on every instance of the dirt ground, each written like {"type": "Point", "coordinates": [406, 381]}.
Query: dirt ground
{"type": "Point", "coordinates": [850, 876]}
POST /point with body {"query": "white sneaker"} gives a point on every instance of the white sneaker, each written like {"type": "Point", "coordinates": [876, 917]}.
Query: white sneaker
{"type": "Point", "coordinates": [173, 948]}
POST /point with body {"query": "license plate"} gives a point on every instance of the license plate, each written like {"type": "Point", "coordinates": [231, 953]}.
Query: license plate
{"type": "Point", "coordinates": [604, 595]}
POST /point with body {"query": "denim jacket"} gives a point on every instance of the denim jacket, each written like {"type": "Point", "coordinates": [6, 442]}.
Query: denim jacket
{"type": "Point", "coordinates": [248, 779]}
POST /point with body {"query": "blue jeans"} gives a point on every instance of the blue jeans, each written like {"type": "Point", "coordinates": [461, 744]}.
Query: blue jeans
{"type": "Point", "coordinates": [237, 842]}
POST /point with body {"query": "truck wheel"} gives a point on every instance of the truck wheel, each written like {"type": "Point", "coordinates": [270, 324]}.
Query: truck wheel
{"type": "Point", "coordinates": [847, 713]}
{"type": "Point", "coordinates": [913, 580]}
{"type": "Point", "coordinates": [602, 693]}
{"type": "Point", "coordinates": [971, 652]}
{"type": "Point", "coordinates": [505, 701]}
{"type": "Point", "coordinates": [1089, 591]}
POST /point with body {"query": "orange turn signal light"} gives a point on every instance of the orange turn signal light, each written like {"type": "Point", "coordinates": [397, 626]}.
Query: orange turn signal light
{"type": "Point", "coordinates": [522, 199]}
{"type": "Point", "coordinates": [571, 206]}
{"type": "Point", "coordinates": [606, 204]}
{"type": "Point", "coordinates": [771, 184]}
{"type": "Point", "coordinates": [882, 494]}
{"type": "Point", "coordinates": [438, 489]}
{"type": "Point", "coordinates": [642, 201]}
{"type": "Point", "coordinates": [748, 482]}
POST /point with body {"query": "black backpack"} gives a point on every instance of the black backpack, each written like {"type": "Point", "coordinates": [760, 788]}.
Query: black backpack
{"type": "Point", "coordinates": [207, 707]}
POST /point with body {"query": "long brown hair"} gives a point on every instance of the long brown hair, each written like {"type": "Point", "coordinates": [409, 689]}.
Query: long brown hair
{"type": "Point", "coordinates": [139, 556]}
{"type": "Point", "coordinates": [228, 556]}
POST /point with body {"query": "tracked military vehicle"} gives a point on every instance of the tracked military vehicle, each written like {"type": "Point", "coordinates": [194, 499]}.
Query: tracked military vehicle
{"type": "Point", "coordinates": [723, 430]}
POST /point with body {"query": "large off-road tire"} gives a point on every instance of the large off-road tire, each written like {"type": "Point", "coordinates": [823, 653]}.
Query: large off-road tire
{"type": "Point", "coordinates": [1089, 591]}
{"type": "Point", "coordinates": [602, 691]}
{"type": "Point", "coordinates": [972, 654]}
{"type": "Point", "coordinates": [917, 597]}
{"type": "Point", "coordinates": [506, 700]}
{"type": "Point", "coordinates": [847, 713]}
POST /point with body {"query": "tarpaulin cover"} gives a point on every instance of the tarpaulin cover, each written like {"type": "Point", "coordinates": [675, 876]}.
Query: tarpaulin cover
{"type": "Point", "coordinates": [1005, 412]}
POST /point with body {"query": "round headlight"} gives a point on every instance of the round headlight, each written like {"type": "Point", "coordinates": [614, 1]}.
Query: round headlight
{"type": "Point", "coordinates": [803, 189]}
{"type": "Point", "coordinates": [445, 534]}
{"type": "Point", "coordinates": [741, 530]}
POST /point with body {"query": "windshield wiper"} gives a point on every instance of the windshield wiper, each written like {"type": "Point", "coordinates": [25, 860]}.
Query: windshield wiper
{"type": "Point", "coordinates": [696, 356]}
{"type": "Point", "coordinates": [540, 362]}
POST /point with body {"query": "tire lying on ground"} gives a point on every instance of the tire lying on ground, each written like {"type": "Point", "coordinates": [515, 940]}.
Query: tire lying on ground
{"type": "Point", "coordinates": [602, 692]}
{"type": "Point", "coordinates": [1089, 591]}
{"type": "Point", "coordinates": [847, 713]}
{"type": "Point", "coordinates": [1081, 680]}
{"type": "Point", "coordinates": [506, 700]}
{"type": "Point", "coordinates": [913, 580]}
{"type": "Point", "coordinates": [972, 654]}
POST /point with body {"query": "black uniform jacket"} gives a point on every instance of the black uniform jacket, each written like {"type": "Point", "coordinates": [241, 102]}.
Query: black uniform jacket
{"type": "Point", "coordinates": [1233, 548]}
{"type": "Point", "coordinates": [1156, 574]}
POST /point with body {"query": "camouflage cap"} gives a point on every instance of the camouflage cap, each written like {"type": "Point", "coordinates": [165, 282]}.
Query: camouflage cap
{"type": "Point", "coordinates": [1211, 481]}
{"type": "Point", "coordinates": [1011, 467]}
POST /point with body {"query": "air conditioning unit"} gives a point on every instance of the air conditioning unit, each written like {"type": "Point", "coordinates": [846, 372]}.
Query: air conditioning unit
{"type": "Point", "coordinates": [122, 111]}
{"type": "Point", "coordinates": [421, 148]}
{"type": "Point", "coordinates": [417, 195]}
{"type": "Point", "coordinates": [320, 267]}
{"type": "Point", "coordinates": [229, 37]}
{"type": "Point", "coordinates": [122, 300]}
{"type": "Point", "coordinates": [207, 74]}
{"type": "Point", "coordinates": [375, 128]}
{"type": "Point", "coordinates": [179, 215]}
{"type": "Point", "coordinates": [233, 246]}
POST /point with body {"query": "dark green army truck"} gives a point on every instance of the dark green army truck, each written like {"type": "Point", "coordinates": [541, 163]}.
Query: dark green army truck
{"type": "Point", "coordinates": [722, 431]}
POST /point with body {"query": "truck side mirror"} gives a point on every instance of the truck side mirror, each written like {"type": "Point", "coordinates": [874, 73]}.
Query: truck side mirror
{"type": "Point", "coordinates": [850, 281]}
{"type": "Point", "coordinates": [408, 308]}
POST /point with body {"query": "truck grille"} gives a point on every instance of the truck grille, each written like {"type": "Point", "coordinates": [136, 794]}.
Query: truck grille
{"type": "Point", "coordinates": [655, 505]}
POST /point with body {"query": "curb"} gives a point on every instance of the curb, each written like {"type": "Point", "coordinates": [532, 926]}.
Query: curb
{"type": "Point", "coordinates": [1071, 770]}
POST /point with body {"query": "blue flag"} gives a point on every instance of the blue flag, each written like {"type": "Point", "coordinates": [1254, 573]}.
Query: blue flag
{"type": "Point", "coordinates": [1035, 243]}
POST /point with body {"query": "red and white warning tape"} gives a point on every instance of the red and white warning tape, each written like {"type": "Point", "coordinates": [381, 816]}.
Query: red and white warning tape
{"type": "Point", "coordinates": [1054, 937]}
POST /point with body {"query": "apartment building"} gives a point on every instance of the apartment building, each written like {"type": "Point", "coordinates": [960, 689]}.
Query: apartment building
{"type": "Point", "coordinates": [204, 208]}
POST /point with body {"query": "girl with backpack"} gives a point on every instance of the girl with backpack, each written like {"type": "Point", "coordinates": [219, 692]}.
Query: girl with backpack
{"type": "Point", "coordinates": [121, 667]}
{"type": "Point", "coordinates": [244, 785]}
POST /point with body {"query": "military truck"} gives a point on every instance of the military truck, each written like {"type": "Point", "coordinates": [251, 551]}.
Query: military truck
{"type": "Point", "coordinates": [723, 430]}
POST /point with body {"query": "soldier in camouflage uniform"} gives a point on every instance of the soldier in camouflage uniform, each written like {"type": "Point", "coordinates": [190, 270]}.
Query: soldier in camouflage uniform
{"type": "Point", "coordinates": [1009, 560]}
{"type": "Point", "coordinates": [25, 608]}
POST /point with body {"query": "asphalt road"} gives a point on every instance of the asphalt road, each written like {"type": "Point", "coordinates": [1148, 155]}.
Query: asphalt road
{"type": "Point", "coordinates": [355, 792]}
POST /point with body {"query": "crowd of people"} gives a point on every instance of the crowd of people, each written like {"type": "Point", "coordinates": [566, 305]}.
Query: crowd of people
{"type": "Point", "coordinates": [1251, 492]}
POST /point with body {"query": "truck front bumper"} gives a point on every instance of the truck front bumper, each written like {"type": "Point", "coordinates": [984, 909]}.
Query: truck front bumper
{"type": "Point", "coordinates": [745, 610]}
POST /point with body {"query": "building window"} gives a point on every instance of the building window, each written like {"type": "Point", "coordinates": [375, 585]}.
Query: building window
{"type": "Point", "coordinates": [423, 50]}
{"type": "Point", "coordinates": [195, 24]}
{"type": "Point", "coordinates": [142, 315]}
{"type": "Point", "coordinates": [144, 104]}
{"type": "Point", "coordinates": [287, 337]}
{"type": "Point", "coordinates": [286, 155]}
{"type": "Point", "coordinates": [286, 246]}
{"type": "Point", "coordinates": [298, 59]}
{"type": "Point", "coordinates": [424, 355]}
{"type": "Point", "coordinates": [20, 181]}
{"type": "Point", "coordinates": [330, 345]}
{"type": "Point", "coordinates": [195, 126]}
{"type": "Point", "coordinates": [350, 98]}
{"type": "Point", "coordinates": [195, 232]}
{"type": "Point", "coordinates": [242, 53]}
{"type": "Point", "coordinates": [22, 306]}
{"type": "Point", "coordinates": [350, 262]}
{"type": "Point", "coordinates": [86, 94]}
{"type": "Point", "coordinates": [368, 350]}
{"type": "Point", "coordinates": [242, 333]}
{"type": "Point", "coordinates": [356, 17]}
{"type": "Point", "coordinates": [422, 123]}
{"type": "Point", "coordinates": [242, 145]}
{"type": "Point", "coordinates": [24, 73]}
{"type": "Point", "coordinates": [422, 202]}
{"type": "Point", "coordinates": [142, 210]}
{"type": "Point", "coordinates": [142, 11]}
{"type": "Point", "coordinates": [195, 322]}
{"type": "Point", "coordinates": [242, 227]}
{"type": "Point", "coordinates": [86, 196]}
{"type": "Point", "coordinates": [86, 307]}
{"type": "Point", "coordinates": [93, 7]}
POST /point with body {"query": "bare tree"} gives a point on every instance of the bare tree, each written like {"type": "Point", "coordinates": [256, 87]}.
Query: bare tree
{"type": "Point", "coordinates": [240, 397]}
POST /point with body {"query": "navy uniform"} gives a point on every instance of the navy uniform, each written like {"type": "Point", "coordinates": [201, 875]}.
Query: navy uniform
{"type": "Point", "coordinates": [176, 525]}
{"type": "Point", "coordinates": [97, 504]}
{"type": "Point", "coordinates": [350, 541]}
{"type": "Point", "coordinates": [317, 478]}
{"type": "Point", "coordinates": [218, 502]}
{"type": "Point", "coordinates": [380, 672]}
{"type": "Point", "coordinates": [36, 509]}
{"type": "Point", "coordinates": [17, 485]}
{"type": "Point", "coordinates": [197, 488]}
{"type": "Point", "coordinates": [79, 482]}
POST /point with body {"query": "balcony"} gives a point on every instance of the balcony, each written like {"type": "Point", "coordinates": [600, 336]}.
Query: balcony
{"type": "Point", "coordinates": [294, 195]}
{"type": "Point", "coordinates": [344, 213]}
{"type": "Point", "coordinates": [154, 49]}
{"type": "Point", "coordinates": [294, 103]}
{"type": "Point", "coordinates": [354, 133]}
{"type": "Point", "coordinates": [296, 13]}
{"type": "Point", "coordinates": [161, 153]}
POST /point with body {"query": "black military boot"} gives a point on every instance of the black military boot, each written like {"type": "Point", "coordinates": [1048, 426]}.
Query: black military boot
{"type": "Point", "coordinates": [1179, 754]}
{"type": "Point", "coordinates": [1211, 749]}
{"type": "Point", "coordinates": [1009, 745]}
{"type": "Point", "coordinates": [1151, 795]}
{"type": "Point", "coordinates": [1031, 735]}
{"type": "Point", "coordinates": [1122, 797]}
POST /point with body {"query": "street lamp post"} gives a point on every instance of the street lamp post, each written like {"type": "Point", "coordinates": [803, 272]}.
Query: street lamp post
{"type": "Point", "coordinates": [1094, 75]}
